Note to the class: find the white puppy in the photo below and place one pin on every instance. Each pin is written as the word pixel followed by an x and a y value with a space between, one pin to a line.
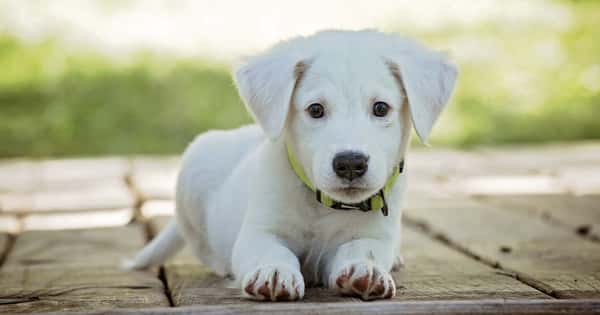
pixel 335 111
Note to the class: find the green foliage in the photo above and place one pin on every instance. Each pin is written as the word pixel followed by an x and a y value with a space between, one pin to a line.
pixel 521 83
pixel 55 104
pixel 532 83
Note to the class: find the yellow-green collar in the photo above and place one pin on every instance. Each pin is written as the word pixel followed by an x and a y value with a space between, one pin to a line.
pixel 375 202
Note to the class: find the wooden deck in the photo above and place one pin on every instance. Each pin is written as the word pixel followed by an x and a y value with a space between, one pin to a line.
pixel 508 230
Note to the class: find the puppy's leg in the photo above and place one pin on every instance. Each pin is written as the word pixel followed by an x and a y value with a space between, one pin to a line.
pixel 361 268
pixel 267 268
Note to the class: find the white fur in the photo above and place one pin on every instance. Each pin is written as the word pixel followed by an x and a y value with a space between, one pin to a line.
pixel 244 211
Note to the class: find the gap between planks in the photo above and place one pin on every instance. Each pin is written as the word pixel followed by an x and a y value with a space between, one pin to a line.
pixel 540 254
pixel 6 246
pixel 440 237
pixel 138 200
pixel 76 270
pixel 150 234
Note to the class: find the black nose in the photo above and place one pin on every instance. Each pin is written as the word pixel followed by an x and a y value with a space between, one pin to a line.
pixel 350 164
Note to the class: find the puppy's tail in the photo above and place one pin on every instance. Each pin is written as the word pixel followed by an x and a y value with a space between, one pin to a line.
pixel 163 246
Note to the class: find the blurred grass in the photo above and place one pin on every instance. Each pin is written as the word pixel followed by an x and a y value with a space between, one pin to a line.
pixel 524 84
pixel 52 103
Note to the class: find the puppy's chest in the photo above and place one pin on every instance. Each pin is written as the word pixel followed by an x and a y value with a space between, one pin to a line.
pixel 332 228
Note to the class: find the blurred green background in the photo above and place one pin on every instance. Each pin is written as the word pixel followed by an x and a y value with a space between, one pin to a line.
pixel 519 83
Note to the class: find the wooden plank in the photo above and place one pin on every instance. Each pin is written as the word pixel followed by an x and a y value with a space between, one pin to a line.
pixel 99 195
pixel 575 166
pixel 43 289
pixel 9 223
pixel 77 220
pixel 543 158
pixel 4 247
pixel 551 259
pixel 581 179
pixel 18 175
pixel 154 178
pixel 474 173
pixel 579 213
pixel 70 173
pixel 158 208
pixel 94 247
pixel 77 270
pixel 189 281
pixel 556 168
pixel 433 272
pixel 506 184
pixel 488 307
pixel 27 175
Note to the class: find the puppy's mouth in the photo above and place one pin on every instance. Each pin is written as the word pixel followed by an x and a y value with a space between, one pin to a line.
pixel 351 194
pixel 350 190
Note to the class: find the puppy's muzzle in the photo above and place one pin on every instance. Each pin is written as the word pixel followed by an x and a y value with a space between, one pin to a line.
pixel 350 164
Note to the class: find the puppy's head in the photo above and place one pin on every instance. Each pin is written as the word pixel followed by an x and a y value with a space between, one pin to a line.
pixel 345 103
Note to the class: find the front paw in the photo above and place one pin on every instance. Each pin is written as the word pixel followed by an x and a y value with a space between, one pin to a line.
pixel 363 279
pixel 273 283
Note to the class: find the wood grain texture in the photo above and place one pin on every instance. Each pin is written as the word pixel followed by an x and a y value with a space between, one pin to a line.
pixel 77 270
pixel 90 248
pixel 548 257
pixel 432 272
pixel 581 214
pixel 532 307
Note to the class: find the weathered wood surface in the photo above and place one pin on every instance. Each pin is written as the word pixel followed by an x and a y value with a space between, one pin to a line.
pixel 581 214
pixel 55 193
pixel 190 282
pixel 433 272
pixel 105 194
pixel 24 175
pixel 157 208
pixel 77 219
pixel 76 270
pixel 154 178
pixel 4 247
pixel 513 230
pixel 547 257
pixel 532 307
pixel 9 223
pixel 545 169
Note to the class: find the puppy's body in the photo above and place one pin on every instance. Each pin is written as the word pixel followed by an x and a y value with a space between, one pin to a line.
pixel 220 192
pixel 244 210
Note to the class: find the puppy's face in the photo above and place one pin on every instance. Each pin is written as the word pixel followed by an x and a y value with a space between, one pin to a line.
pixel 347 101
pixel 348 123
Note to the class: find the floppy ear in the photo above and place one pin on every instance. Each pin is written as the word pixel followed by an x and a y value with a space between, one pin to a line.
pixel 427 79
pixel 266 84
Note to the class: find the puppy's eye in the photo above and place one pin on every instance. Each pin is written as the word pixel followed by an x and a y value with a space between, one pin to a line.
pixel 381 109
pixel 316 110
